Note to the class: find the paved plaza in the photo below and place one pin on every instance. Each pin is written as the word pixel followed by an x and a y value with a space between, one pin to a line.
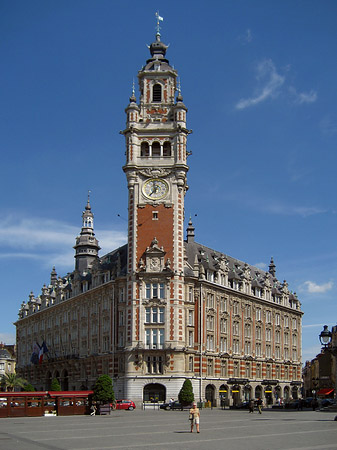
pixel 291 430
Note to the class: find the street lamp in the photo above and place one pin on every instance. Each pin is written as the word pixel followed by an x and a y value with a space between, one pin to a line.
pixel 325 338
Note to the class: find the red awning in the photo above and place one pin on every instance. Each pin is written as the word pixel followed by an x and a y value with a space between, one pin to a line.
pixel 325 391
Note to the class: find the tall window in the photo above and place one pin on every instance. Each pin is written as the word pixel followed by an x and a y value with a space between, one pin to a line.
pixel 210 322
pixel 258 350
pixel 167 149
pixel 154 338
pixel 190 339
pixel 190 363
pixel 258 370
pixel 247 330
pixel 144 149
pixel 258 313
pixel 247 370
pixel 210 367
pixel 223 325
pixel 155 290
pixel 247 348
pixel 154 364
pixel 156 149
pixel 154 315
pixel 236 344
pixel 258 333
pixel 236 369
pixel 190 317
pixel 223 345
pixel 223 368
pixel 210 342
pixel 156 93
pixel 210 300
pixel 223 304
pixel 235 328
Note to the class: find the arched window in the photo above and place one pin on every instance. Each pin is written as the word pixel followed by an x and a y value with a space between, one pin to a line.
pixel 167 149
pixel 156 149
pixel 144 149
pixel 156 93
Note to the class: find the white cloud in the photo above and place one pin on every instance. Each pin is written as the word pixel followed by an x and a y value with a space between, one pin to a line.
pixel 303 97
pixel 49 241
pixel 271 81
pixel 313 288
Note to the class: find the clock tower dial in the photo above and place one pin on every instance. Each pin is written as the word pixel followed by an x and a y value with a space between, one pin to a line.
pixel 155 189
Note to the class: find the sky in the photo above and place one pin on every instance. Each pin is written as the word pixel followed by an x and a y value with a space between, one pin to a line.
pixel 259 80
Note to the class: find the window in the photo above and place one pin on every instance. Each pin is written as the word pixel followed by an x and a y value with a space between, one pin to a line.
pixel 258 370
pixel 247 330
pixel 258 350
pixel 268 351
pixel 155 149
pixel 156 93
pixel 154 315
pixel 294 324
pixel 247 348
pixel 268 371
pixel 190 294
pixel 258 333
pixel 223 345
pixel 277 353
pixel 210 322
pixel 209 367
pixel 144 149
pixel 236 369
pixel 277 372
pixel 154 290
pixel 106 343
pixel 223 304
pixel 154 215
pixel 210 342
pixel 121 318
pixel 286 338
pixel 236 308
pixel 268 334
pixel 268 316
pixel 121 339
pixel 286 321
pixel 190 339
pixel 190 364
pixel 248 310
pixel 236 345
pixel 294 354
pixel 223 325
pixel 210 300
pixel 167 149
pixel 154 364
pixel 258 313
pixel 277 319
pixel 235 328
pixel 154 338
pixel 277 337
pixel 121 295
pixel 190 317
pixel 247 371
pixel 223 368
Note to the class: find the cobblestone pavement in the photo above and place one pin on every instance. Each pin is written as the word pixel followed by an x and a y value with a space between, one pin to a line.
pixel 230 430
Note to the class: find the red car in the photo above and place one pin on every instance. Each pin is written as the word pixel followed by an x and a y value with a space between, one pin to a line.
pixel 125 404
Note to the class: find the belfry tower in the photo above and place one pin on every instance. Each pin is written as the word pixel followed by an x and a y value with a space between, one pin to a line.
pixel 156 168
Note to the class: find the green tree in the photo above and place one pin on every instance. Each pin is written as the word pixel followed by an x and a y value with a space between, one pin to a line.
pixel 10 381
pixel 28 387
pixel 103 390
pixel 186 395
pixel 55 385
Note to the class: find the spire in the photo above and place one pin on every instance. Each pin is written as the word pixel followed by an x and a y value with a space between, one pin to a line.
pixel 53 277
pixel 133 96
pixel 272 267
pixel 190 231
pixel 179 96
pixel 158 48
pixel 86 246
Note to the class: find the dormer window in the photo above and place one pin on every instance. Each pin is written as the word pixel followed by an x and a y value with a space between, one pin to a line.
pixel 156 93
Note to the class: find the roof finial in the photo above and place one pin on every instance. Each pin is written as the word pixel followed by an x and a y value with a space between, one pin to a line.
pixel 159 19
pixel 133 96
pixel 88 202
pixel 179 96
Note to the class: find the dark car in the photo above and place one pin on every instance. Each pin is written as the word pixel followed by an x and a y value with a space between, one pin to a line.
pixel 326 402
pixel 174 406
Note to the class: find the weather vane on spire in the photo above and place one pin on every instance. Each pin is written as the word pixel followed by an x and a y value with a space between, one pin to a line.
pixel 159 19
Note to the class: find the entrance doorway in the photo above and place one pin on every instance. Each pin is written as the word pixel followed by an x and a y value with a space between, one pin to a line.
pixel 210 394
pixel 154 392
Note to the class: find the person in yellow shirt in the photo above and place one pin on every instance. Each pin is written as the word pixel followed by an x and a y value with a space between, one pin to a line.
pixel 194 417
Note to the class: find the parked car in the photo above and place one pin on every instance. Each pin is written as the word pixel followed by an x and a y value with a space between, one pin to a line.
pixel 125 404
pixel 326 402
pixel 174 405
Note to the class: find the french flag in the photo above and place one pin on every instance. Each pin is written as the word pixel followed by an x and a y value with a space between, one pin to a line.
pixel 43 350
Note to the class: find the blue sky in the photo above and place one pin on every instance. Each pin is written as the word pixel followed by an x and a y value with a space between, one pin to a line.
pixel 259 79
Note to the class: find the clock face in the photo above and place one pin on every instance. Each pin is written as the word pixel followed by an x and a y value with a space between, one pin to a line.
pixel 155 188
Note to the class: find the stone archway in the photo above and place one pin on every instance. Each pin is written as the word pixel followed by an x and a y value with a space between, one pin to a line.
pixel 223 395
pixel 154 392
pixel 65 381
pixel 210 394
pixel 247 390
pixel 236 395
pixel 286 394
pixel 294 392
pixel 278 394
pixel 268 393
pixel 258 392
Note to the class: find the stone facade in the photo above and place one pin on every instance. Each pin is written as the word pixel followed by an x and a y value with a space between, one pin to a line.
pixel 161 308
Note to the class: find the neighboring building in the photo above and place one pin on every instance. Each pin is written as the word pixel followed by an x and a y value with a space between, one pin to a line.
pixel 319 374
pixel 7 359
pixel 161 309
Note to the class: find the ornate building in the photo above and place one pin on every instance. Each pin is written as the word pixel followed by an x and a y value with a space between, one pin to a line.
pixel 161 309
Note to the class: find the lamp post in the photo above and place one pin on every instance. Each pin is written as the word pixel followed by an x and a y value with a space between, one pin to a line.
pixel 325 338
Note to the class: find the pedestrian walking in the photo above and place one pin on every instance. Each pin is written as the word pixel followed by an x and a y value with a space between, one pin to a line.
pixel 259 405
pixel 93 410
pixel 194 417
pixel 251 405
